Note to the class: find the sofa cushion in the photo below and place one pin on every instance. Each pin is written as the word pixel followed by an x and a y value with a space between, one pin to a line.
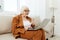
pixel 48 27
pixel 9 36
pixel 5 24
pixel 36 20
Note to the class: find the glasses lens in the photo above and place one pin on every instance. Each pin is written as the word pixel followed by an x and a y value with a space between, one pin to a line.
pixel 26 10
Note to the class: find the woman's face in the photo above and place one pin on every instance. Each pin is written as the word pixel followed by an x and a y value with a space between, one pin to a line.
pixel 26 11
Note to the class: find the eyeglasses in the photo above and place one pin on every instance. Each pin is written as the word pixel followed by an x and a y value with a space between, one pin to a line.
pixel 26 10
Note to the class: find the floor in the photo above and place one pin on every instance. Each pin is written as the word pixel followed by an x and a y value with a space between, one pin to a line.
pixel 55 38
pixel 9 36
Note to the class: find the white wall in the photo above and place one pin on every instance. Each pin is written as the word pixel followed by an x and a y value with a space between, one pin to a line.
pixel 57 18
pixel 37 7
pixel 56 13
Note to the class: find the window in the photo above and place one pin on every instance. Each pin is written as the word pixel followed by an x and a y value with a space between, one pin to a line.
pixel 10 5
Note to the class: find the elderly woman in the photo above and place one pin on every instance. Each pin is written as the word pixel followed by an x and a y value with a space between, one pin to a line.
pixel 20 25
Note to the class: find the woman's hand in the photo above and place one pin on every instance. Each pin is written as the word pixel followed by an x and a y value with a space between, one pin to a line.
pixel 32 25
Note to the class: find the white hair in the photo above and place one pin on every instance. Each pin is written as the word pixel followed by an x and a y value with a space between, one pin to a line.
pixel 23 8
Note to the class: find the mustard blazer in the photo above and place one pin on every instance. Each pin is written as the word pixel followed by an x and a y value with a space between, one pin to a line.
pixel 17 21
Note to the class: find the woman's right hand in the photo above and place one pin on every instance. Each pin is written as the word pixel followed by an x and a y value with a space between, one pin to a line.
pixel 32 25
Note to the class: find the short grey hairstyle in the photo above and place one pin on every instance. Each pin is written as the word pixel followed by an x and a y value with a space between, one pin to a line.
pixel 24 8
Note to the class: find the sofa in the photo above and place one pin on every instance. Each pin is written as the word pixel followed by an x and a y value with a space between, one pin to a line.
pixel 5 28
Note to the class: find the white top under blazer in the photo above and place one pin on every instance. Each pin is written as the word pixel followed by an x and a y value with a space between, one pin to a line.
pixel 27 24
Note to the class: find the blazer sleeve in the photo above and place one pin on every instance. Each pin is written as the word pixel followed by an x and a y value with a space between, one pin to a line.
pixel 14 24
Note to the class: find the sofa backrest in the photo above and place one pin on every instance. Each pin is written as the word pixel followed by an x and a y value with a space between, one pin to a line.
pixel 5 24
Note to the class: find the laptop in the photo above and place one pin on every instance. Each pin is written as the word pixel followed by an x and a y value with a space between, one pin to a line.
pixel 42 24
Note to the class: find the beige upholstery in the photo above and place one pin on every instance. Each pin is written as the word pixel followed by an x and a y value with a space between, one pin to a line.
pixel 49 29
pixel 9 36
pixel 5 24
